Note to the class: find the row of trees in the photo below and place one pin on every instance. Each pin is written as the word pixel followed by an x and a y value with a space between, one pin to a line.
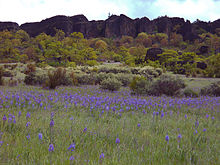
pixel 62 50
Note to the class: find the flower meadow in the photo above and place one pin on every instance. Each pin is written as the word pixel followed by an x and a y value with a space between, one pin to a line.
pixel 87 125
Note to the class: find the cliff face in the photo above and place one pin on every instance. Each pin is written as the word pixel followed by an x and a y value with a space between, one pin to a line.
pixel 114 26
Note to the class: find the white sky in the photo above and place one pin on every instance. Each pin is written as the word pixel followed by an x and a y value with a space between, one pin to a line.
pixel 22 11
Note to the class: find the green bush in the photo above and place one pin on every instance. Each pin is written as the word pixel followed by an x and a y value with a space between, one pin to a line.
pixel 168 85
pixel 190 93
pixel 140 85
pixel 91 62
pixel 111 84
pixel 211 90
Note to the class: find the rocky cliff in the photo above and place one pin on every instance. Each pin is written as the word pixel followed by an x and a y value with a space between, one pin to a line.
pixel 115 26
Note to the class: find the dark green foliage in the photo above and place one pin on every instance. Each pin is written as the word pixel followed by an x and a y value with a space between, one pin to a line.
pixel 190 93
pixel 167 85
pixel 56 78
pixel 1 75
pixel 111 84
pixel 211 90
pixel 140 85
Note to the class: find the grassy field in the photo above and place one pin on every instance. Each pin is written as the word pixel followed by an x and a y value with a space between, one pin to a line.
pixel 86 125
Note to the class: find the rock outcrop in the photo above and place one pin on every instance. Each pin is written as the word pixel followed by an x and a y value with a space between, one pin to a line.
pixel 9 26
pixel 115 26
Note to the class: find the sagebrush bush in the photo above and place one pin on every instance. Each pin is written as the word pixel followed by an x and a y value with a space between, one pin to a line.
pixel 111 84
pixel 211 90
pixel 140 85
pixel 74 79
pixel 125 79
pixel 56 78
pixel 190 93
pixel 168 85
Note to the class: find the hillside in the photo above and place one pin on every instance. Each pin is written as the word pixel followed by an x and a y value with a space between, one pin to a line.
pixel 170 43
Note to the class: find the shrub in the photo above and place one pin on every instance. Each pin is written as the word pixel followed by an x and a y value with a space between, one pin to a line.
pixel 12 82
pixel 111 84
pixel 71 64
pixel 74 79
pixel 125 79
pixel 190 93
pixel 7 73
pixel 140 85
pixel 168 85
pixel 211 90
pixel 30 68
pixel 55 78
pixel 91 62
pixel 30 79
pixel 1 75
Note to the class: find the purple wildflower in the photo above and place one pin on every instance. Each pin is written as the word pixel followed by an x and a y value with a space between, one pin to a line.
pixel 19 113
pixel 28 115
pixel 117 141
pixel 28 123
pixel 51 123
pixel 85 129
pixel 51 148
pixel 101 156
pixel 72 158
pixel 138 124
pixel 4 118
pixel 204 130
pixel 28 137
pixel 196 124
pixel 40 136
pixel 167 138
pixel 72 147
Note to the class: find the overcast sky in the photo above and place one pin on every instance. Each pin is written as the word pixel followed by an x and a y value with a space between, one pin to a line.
pixel 22 11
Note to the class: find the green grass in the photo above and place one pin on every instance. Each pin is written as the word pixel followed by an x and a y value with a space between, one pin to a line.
pixel 198 83
pixel 138 145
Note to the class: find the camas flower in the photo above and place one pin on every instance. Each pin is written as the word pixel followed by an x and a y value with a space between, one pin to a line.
pixel 40 136
pixel 72 158
pixel 51 123
pixel 4 118
pixel 72 147
pixel 117 141
pixel 101 156
pixel 51 148
pixel 167 138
